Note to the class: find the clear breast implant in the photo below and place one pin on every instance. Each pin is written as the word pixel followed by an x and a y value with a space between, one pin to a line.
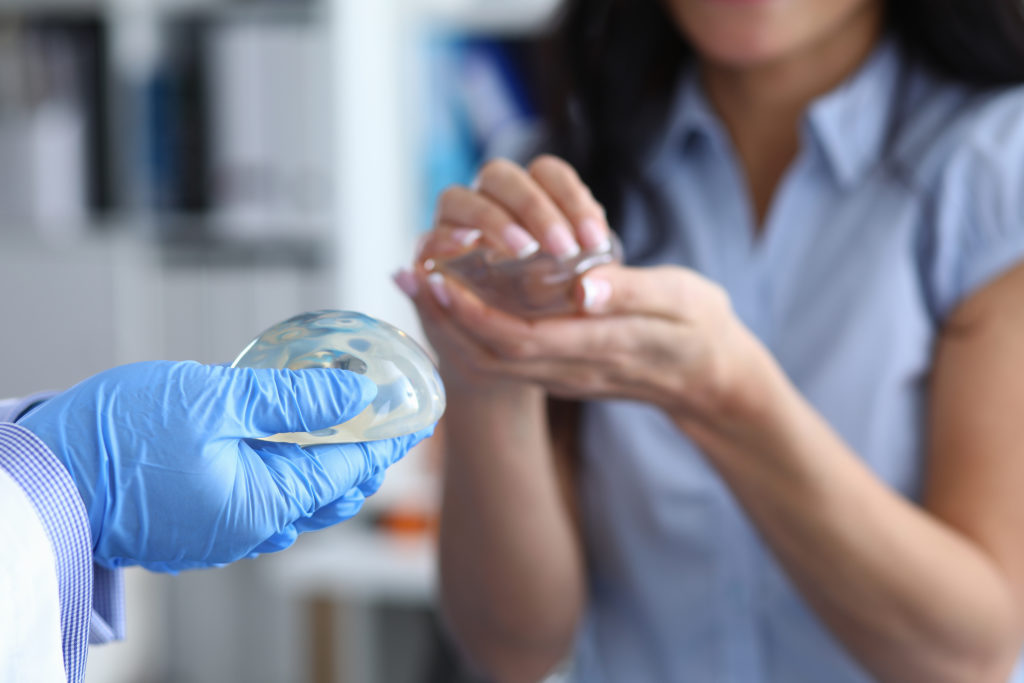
pixel 535 287
pixel 410 395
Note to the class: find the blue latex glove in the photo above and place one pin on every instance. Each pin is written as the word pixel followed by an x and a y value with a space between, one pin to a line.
pixel 164 456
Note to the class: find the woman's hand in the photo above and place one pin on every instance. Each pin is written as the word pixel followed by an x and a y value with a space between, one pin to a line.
pixel 516 211
pixel 664 335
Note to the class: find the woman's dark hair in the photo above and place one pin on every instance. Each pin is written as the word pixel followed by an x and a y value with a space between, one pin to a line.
pixel 609 67
pixel 979 41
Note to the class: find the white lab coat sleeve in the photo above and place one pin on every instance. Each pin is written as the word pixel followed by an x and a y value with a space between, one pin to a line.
pixel 30 632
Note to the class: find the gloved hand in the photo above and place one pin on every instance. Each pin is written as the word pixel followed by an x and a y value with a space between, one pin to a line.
pixel 164 457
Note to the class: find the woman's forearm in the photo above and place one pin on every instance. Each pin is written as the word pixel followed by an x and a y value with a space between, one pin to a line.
pixel 511 569
pixel 909 596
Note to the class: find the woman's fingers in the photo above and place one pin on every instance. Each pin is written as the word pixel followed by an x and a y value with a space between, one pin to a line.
pixel 574 200
pixel 598 357
pixel 510 186
pixel 518 211
pixel 666 292
pixel 671 294
pixel 475 319
pixel 509 338
pixel 433 302
pixel 461 210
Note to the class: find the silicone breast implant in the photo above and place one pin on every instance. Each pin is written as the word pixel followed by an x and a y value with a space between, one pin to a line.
pixel 535 287
pixel 410 395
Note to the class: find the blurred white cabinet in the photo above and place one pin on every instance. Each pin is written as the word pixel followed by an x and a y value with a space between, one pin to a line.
pixel 72 310
pixel 61 310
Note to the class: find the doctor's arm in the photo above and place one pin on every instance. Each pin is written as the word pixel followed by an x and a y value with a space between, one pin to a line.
pixel 159 464
pixel 168 462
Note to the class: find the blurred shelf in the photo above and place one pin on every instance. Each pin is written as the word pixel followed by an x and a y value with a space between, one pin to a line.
pixel 261 10
pixel 216 9
pixel 9 7
pixel 496 17
pixel 96 6
pixel 178 241
pixel 301 254
pixel 59 236
pixel 490 16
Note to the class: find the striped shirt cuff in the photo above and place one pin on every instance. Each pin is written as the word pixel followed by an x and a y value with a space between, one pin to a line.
pixel 13 408
pixel 56 500
pixel 89 610
pixel 107 621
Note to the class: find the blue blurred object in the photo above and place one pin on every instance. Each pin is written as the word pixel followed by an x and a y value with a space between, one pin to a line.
pixel 166 459
pixel 478 108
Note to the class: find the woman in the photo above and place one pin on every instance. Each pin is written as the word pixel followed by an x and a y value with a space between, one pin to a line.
pixel 798 455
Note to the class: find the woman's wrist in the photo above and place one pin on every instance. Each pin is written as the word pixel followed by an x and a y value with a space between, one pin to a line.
pixel 475 389
pixel 762 395
pixel 750 400
pixel 494 404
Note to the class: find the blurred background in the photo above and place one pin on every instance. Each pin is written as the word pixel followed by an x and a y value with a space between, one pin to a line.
pixel 178 175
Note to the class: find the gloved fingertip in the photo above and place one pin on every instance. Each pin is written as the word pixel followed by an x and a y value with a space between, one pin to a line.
pixel 333 513
pixel 279 541
pixel 268 401
pixel 422 435
pixel 387 452
pixel 371 485
pixel 367 387
pixel 350 391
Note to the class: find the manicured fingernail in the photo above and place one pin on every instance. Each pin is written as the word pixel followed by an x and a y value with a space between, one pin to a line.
pixel 519 241
pixel 560 241
pixel 596 294
pixel 430 264
pixel 440 289
pixel 466 236
pixel 406 282
pixel 593 237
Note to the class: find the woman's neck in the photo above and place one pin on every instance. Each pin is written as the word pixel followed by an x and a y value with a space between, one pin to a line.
pixel 762 105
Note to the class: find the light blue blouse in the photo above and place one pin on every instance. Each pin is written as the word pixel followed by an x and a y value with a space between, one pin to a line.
pixel 906 196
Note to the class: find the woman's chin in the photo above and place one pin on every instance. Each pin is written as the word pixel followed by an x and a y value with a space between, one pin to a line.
pixel 751 33
pixel 741 50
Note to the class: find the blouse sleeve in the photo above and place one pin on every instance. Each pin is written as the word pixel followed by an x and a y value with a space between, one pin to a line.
pixel 980 202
